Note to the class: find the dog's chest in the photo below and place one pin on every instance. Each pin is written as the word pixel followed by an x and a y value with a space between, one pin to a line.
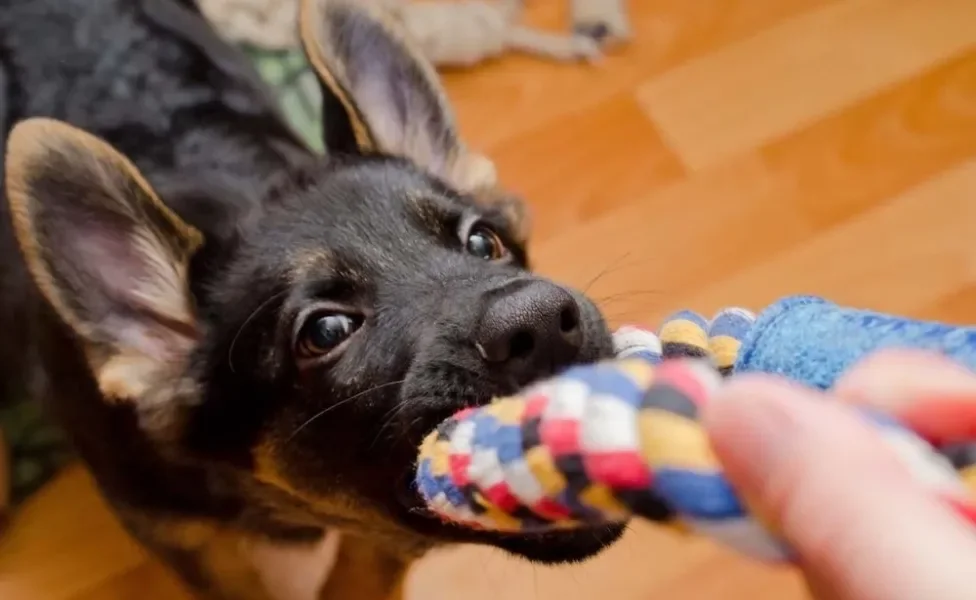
pixel 296 573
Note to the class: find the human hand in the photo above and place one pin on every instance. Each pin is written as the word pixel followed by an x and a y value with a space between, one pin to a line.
pixel 862 527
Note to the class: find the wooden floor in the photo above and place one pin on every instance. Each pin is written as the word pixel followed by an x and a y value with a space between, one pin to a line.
pixel 736 152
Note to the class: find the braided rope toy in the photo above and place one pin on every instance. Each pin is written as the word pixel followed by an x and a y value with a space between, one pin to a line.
pixel 620 439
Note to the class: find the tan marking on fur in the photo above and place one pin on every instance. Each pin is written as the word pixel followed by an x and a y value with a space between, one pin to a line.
pixel 126 376
pixel 174 532
pixel 188 534
pixel 472 172
pixel 304 261
pixel 266 468
pixel 517 214
pixel 267 471
pixel 311 22
pixel 515 211
pixel 423 207
pixel 31 145
pixel 350 513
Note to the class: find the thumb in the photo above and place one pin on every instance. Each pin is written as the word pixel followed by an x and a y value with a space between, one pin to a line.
pixel 828 483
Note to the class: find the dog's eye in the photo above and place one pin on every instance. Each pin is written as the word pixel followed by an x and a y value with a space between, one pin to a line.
pixel 484 243
pixel 324 332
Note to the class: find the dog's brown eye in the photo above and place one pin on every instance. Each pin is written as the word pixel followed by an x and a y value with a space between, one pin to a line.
pixel 324 332
pixel 484 243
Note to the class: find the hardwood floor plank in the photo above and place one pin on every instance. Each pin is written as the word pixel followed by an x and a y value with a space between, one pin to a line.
pixel 586 166
pixel 646 560
pixel 760 89
pixel 636 261
pixel 878 148
pixel 147 581
pixel 64 543
pixel 748 579
pixel 954 307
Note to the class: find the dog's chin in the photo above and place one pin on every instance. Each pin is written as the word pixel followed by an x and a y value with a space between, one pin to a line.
pixel 560 547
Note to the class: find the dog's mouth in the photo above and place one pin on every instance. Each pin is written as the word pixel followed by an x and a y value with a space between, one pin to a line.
pixel 550 547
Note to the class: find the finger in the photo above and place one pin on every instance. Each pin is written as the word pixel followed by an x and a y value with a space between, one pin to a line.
pixel 841 498
pixel 890 379
pixel 932 394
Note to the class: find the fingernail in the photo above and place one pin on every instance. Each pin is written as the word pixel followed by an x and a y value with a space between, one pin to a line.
pixel 943 419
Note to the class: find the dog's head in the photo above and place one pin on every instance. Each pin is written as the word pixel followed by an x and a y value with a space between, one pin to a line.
pixel 371 295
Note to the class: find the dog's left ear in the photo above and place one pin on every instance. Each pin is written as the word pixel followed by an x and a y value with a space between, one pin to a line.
pixel 388 93
pixel 108 256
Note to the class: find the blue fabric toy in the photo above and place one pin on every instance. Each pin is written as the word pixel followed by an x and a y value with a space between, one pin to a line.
pixel 814 341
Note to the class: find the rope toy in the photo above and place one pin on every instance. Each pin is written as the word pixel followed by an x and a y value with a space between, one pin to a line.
pixel 620 439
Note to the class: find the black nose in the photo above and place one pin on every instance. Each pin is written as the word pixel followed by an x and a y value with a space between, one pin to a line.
pixel 532 329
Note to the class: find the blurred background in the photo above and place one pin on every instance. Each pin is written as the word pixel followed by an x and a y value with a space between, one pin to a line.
pixel 730 152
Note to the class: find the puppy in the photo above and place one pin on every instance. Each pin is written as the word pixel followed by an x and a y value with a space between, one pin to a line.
pixel 245 341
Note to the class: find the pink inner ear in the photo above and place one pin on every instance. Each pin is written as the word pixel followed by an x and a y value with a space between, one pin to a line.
pixel 106 253
pixel 116 274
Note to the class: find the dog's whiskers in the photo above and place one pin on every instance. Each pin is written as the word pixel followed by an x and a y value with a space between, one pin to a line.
pixel 627 294
pixel 388 419
pixel 340 403
pixel 247 321
pixel 607 269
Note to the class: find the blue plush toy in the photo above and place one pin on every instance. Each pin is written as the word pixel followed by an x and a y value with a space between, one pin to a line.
pixel 814 341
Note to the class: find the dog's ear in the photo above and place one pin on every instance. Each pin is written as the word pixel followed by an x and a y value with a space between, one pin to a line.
pixel 390 95
pixel 106 253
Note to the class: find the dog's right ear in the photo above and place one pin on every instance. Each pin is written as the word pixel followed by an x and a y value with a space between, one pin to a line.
pixel 381 95
pixel 108 256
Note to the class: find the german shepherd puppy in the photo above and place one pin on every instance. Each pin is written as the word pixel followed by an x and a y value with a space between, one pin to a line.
pixel 246 341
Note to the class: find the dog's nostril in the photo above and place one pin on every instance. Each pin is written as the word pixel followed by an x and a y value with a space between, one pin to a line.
pixel 532 329
pixel 522 345
pixel 569 319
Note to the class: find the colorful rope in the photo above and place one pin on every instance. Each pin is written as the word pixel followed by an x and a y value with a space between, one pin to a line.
pixel 606 442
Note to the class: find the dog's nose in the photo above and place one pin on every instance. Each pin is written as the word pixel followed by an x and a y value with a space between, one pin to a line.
pixel 532 330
